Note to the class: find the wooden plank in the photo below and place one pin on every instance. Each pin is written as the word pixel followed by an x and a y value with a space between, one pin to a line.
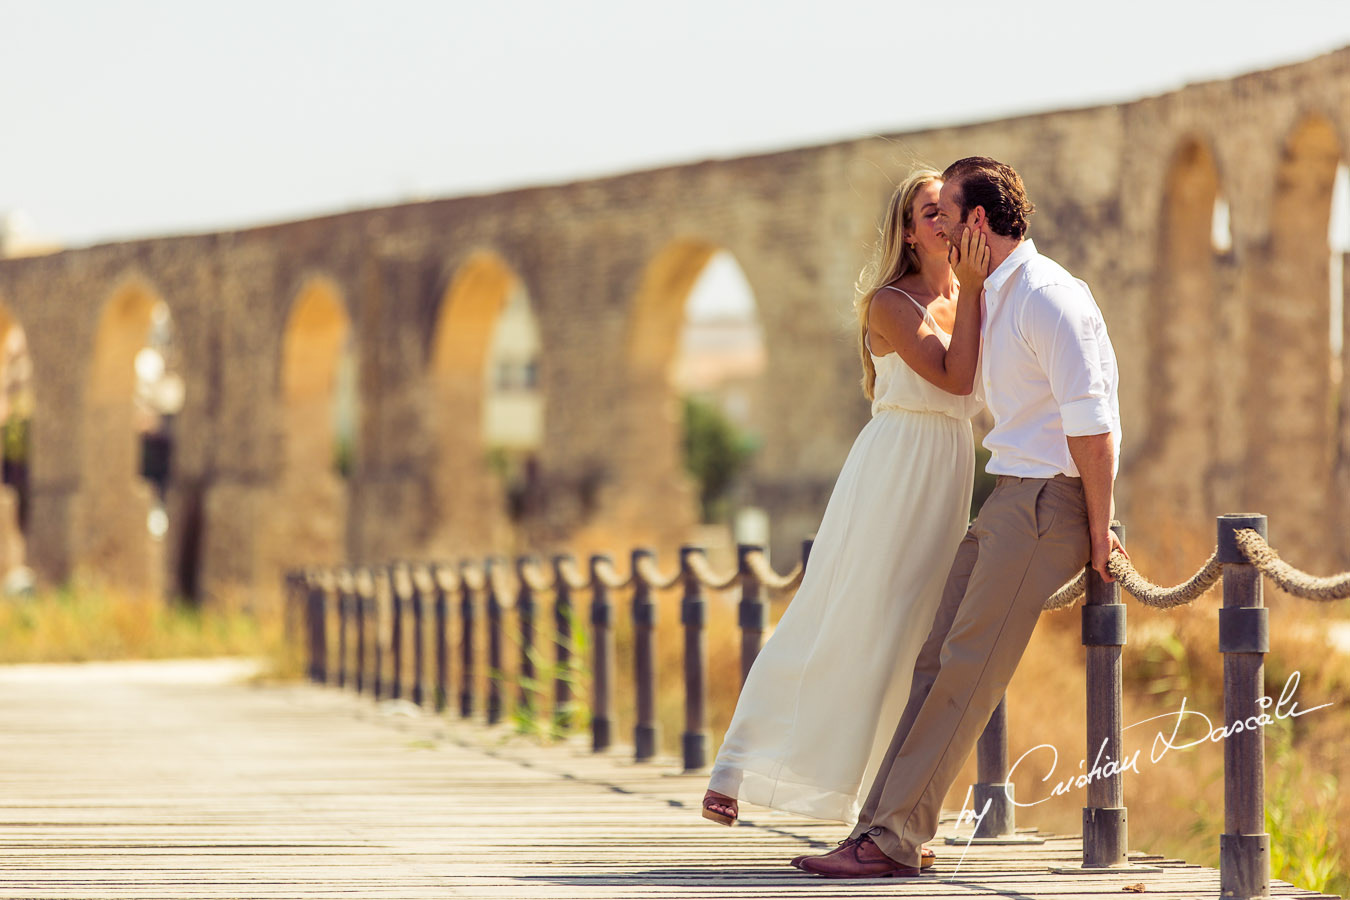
pixel 179 780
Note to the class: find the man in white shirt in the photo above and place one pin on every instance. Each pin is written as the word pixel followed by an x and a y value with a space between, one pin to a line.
pixel 1050 380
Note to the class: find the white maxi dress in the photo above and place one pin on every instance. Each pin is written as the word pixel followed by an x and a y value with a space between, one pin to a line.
pixel 822 700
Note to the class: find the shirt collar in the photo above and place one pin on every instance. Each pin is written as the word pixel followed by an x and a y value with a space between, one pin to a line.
pixel 995 280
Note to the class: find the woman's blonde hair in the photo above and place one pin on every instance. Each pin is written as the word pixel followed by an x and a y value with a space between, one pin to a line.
pixel 893 259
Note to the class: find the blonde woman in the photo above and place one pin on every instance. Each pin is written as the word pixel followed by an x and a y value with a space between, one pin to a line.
pixel 820 704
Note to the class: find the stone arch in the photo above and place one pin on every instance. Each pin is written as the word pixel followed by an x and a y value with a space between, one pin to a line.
pixel 470 487
pixel 311 503
pixel 653 496
pixel 1292 439
pixel 1182 304
pixel 113 536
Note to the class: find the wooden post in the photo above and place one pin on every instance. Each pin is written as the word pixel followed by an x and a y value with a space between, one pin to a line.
pixel 753 612
pixel 344 604
pixel 644 661
pixel 379 589
pixel 562 626
pixel 526 682
pixel 992 794
pixel 494 622
pixel 394 574
pixel 467 621
pixel 1105 832
pixel 318 633
pixel 364 604
pixel 992 786
pixel 602 650
pixel 1244 640
pixel 694 616
pixel 442 639
pixel 419 685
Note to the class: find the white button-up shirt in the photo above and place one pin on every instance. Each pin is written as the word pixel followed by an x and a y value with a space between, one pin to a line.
pixel 1047 366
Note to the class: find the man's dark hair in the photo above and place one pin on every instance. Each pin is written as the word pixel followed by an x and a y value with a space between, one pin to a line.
pixel 989 183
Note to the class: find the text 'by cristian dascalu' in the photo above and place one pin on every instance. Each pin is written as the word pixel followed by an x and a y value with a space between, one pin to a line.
pixel 1103 766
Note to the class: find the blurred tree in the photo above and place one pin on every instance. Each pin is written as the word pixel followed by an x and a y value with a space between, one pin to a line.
pixel 716 452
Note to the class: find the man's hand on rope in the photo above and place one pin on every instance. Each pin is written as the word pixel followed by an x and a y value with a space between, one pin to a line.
pixel 1102 548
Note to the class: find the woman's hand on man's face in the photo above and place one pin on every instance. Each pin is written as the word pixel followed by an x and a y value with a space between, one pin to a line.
pixel 970 258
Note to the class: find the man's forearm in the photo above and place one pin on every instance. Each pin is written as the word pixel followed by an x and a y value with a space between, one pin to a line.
pixel 1095 457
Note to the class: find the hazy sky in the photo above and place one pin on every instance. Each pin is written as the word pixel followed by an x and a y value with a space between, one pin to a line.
pixel 125 118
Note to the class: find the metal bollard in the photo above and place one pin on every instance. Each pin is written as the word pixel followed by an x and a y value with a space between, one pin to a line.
pixel 753 612
pixel 442 640
pixel 1244 640
pixel 998 827
pixel 467 620
pixel 379 588
pixel 694 616
pixel 562 627
pixel 526 682
pixel 644 661
pixel 364 604
pixel 1105 827
pixel 344 602
pixel 396 596
pixel 494 623
pixel 318 633
pixel 602 653
pixel 418 597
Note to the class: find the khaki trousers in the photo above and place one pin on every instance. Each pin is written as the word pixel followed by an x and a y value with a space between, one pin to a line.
pixel 1030 538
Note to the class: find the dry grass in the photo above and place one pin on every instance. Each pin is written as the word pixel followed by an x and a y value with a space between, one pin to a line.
pixel 80 623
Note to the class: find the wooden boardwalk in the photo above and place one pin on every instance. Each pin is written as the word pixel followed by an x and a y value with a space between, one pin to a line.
pixel 178 780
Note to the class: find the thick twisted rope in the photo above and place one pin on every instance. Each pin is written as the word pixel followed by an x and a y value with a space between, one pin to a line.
pixel 1150 594
pixel 535 577
pixel 1067 595
pixel 423 580
pixel 445 577
pixel 609 576
pixel 1141 588
pixel 571 574
pixel 652 575
pixel 703 571
pixel 771 579
pixel 1290 580
pixel 346 584
pixel 473 576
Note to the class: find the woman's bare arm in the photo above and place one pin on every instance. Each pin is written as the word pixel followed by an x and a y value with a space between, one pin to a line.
pixel 899 322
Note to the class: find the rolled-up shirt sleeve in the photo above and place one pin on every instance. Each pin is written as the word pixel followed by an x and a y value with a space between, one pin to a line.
pixel 1063 326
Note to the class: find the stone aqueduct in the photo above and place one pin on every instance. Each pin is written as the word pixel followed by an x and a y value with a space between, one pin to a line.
pixel 1229 391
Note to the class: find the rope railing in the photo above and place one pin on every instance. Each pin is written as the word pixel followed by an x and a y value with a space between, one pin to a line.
pixel 1068 595
pixel 1295 582
pixel 1150 594
pixel 770 579
pixel 353 620
pixel 647 568
pixel 603 572
pixel 703 570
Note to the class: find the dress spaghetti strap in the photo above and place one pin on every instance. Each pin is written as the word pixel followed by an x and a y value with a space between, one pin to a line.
pixel 923 310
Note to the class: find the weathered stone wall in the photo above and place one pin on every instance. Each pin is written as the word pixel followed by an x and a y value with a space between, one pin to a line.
pixel 1226 388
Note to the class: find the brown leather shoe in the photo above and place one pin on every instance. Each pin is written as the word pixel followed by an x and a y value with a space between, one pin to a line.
pixel 861 859
pixel 927 858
